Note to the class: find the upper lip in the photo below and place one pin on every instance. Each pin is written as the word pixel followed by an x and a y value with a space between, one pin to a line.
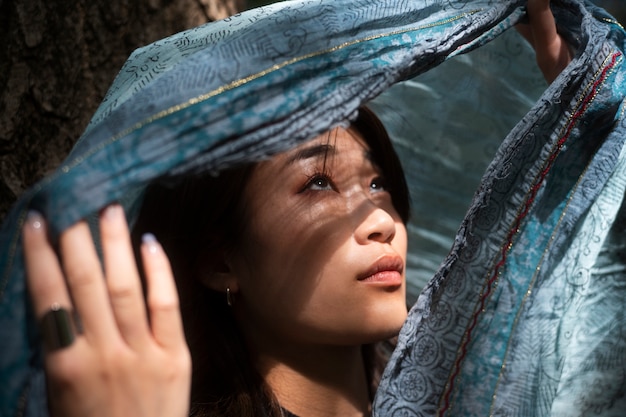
pixel 384 263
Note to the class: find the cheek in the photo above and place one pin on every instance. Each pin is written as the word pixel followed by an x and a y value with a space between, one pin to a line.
pixel 293 235
pixel 290 258
pixel 293 283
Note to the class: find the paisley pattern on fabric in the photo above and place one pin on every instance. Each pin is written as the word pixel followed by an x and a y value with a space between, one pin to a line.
pixel 524 316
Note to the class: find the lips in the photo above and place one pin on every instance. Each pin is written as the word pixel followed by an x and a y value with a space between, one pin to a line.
pixel 387 270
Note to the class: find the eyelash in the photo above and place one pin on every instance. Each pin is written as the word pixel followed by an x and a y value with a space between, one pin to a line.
pixel 317 176
pixel 377 184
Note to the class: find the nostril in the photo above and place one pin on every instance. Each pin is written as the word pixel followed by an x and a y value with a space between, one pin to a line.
pixel 382 237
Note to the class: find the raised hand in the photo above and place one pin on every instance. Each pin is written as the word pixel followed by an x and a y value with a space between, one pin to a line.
pixel 553 53
pixel 127 360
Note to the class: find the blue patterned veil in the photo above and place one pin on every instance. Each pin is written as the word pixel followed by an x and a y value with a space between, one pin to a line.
pixel 519 228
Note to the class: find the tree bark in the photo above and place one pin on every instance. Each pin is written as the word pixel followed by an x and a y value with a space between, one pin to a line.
pixel 57 60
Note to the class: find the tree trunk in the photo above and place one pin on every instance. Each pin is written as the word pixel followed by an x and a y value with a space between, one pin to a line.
pixel 57 60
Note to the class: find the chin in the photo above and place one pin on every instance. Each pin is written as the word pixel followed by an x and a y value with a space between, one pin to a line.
pixel 386 326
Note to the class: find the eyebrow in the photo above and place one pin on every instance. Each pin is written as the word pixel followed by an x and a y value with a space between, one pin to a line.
pixel 314 151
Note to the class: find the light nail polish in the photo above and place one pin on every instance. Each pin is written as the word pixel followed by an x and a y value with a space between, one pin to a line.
pixel 112 211
pixel 150 241
pixel 34 219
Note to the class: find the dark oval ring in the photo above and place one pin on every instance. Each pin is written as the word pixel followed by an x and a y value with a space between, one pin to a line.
pixel 56 328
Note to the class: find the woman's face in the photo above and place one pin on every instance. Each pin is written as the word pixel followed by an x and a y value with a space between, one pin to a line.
pixel 322 256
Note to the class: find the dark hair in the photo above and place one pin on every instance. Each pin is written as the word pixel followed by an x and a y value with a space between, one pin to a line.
pixel 197 219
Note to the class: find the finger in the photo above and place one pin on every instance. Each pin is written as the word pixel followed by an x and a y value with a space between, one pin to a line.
pixel 46 285
pixel 123 280
pixel 86 284
pixel 165 319
pixel 44 276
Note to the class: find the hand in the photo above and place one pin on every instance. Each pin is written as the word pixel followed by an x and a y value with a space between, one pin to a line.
pixel 553 53
pixel 128 360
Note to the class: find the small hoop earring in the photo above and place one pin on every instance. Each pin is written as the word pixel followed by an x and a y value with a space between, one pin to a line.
pixel 229 298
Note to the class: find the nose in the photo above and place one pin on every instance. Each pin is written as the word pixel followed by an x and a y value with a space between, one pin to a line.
pixel 378 225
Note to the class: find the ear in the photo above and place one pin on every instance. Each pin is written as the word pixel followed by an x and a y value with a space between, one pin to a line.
pixel 215 272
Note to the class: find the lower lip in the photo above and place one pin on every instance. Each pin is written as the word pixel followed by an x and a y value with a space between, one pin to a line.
pixel 386 278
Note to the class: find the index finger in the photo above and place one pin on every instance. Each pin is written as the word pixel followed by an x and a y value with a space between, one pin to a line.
pixel 44 277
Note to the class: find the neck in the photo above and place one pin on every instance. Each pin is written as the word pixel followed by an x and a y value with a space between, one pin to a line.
pixel 318 381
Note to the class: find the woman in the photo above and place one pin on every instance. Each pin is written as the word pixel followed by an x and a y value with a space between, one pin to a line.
pixel 282 287
pixel 303 253
pixel 116 366
pixel 311 260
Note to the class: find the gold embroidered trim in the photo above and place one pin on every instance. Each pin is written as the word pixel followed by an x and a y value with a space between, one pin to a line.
pixel 612 21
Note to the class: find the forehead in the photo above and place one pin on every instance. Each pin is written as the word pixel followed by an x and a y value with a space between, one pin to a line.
pixel 339 151
pixel 332 150
pixel 326 146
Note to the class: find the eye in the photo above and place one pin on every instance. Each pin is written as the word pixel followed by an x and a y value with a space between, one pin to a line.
pixel 378 184
pixel 319 182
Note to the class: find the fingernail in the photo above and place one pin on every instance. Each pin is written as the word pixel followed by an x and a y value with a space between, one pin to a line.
pixel 114 211
pixel 150 241
pixel 35 220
